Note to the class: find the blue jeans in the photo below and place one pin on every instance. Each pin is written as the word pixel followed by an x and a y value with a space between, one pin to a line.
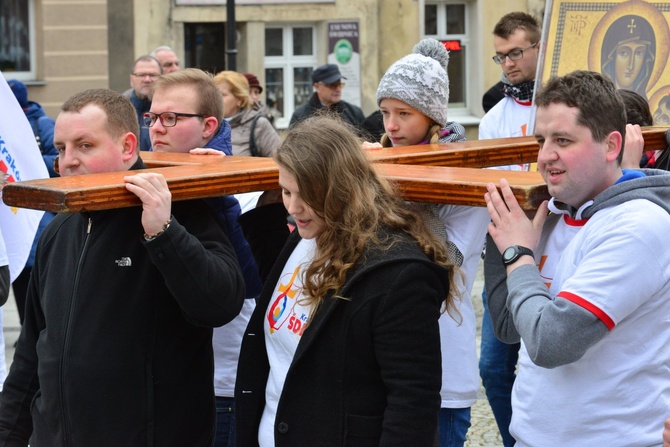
pixel 453 425
pixel 497 364
pixel 225 422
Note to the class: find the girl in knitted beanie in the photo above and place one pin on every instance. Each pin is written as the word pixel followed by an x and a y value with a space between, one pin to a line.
pixel 413 97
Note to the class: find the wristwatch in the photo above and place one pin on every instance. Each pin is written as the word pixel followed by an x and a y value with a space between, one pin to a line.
pixel 513 253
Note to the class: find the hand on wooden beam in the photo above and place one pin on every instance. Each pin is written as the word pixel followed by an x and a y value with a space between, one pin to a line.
pixel 509 224
pixel 152 189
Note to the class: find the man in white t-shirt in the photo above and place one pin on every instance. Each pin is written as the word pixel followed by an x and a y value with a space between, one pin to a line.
pixel 516 38
pixel 594 326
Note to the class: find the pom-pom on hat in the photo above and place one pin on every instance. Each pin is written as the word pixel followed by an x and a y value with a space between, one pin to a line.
pixel 420 80
pixel 20 91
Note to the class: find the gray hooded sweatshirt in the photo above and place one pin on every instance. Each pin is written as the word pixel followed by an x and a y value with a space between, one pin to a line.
pixel 546 325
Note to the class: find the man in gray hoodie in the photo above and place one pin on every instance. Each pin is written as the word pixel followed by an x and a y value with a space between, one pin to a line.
pixel 586 289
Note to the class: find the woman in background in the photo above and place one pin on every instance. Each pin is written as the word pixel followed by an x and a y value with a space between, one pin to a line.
pixel 243 117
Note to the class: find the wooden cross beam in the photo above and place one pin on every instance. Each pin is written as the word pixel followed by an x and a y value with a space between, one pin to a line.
pixel 431 177
pixel 471 154
pixel 462 186
pixel 91 192
pixel 487 153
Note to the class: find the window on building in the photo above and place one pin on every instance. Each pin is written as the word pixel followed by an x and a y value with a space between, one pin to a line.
pixel 447 22
pixel 205 46
pixel 290 56
pixel 17 44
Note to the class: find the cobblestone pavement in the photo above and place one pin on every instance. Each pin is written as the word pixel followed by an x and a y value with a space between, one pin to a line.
pixel 482 433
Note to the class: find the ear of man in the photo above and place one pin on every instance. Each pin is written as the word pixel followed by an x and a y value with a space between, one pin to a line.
pixel 129 143
pixel 614 143
pixel 211 125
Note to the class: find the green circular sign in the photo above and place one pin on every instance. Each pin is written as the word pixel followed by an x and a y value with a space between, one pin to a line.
pixel 343 51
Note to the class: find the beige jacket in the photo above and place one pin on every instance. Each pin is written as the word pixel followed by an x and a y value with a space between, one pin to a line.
pixel 266 136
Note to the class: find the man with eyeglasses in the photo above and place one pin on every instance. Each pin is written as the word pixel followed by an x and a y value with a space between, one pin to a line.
pixel 146 71
pixel 516 39
pixel 187 113
pixel 327 96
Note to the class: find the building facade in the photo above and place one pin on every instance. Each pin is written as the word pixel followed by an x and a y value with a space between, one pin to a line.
pixel 66 46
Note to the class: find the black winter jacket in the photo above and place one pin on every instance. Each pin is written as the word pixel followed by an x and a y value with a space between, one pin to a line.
pixel 367 371
pixel 348 112
pixel 116 349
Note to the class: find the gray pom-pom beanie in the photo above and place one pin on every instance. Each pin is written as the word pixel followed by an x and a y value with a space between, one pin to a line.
pixel 420 79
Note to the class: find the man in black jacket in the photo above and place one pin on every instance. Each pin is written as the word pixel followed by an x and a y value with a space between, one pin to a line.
pixel 327 97
pixel 116 347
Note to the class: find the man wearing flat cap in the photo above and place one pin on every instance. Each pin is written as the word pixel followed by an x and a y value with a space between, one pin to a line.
pixel 328 85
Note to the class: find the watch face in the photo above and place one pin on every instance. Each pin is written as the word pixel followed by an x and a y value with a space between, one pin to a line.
pixel 513 253
pixel 508 255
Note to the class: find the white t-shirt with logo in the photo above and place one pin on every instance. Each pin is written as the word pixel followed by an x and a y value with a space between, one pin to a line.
pixel 285 320
pixel 618 393
pixel 508 118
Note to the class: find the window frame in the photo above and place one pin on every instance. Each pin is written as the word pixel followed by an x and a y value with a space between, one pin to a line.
pixel 31 74
pixel 464 111
pixel 289 63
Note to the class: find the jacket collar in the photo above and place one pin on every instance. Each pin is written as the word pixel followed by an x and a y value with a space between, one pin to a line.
pixel 221 141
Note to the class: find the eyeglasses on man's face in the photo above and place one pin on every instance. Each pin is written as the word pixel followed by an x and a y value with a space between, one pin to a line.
pixel 334 85
pixel 513 55
pixel 147 75
pixel 168 119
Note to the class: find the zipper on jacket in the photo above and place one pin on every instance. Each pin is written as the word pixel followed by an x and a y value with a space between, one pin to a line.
pixel 66 342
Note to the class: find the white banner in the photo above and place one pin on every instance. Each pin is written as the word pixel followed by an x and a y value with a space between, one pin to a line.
pixel 20 159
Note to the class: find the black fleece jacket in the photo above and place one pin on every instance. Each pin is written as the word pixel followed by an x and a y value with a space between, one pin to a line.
pixel 116 347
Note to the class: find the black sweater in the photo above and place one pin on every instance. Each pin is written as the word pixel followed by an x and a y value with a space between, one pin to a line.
pixel 116 347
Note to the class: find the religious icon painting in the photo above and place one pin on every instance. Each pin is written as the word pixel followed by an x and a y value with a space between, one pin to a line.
pixel 628 41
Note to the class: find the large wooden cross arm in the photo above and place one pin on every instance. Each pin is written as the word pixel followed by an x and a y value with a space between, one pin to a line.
pixel 447 173
pixel 487 153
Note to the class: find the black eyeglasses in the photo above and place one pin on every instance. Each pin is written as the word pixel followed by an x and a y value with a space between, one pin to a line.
pixel 513 55
pixel 168 119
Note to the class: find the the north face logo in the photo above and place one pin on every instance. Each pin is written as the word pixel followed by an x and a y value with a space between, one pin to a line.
pixel 124 262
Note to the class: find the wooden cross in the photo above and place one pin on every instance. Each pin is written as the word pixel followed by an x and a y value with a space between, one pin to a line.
pixel 438 173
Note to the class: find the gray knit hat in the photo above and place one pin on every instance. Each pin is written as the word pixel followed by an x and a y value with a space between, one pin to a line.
pixel 420 79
